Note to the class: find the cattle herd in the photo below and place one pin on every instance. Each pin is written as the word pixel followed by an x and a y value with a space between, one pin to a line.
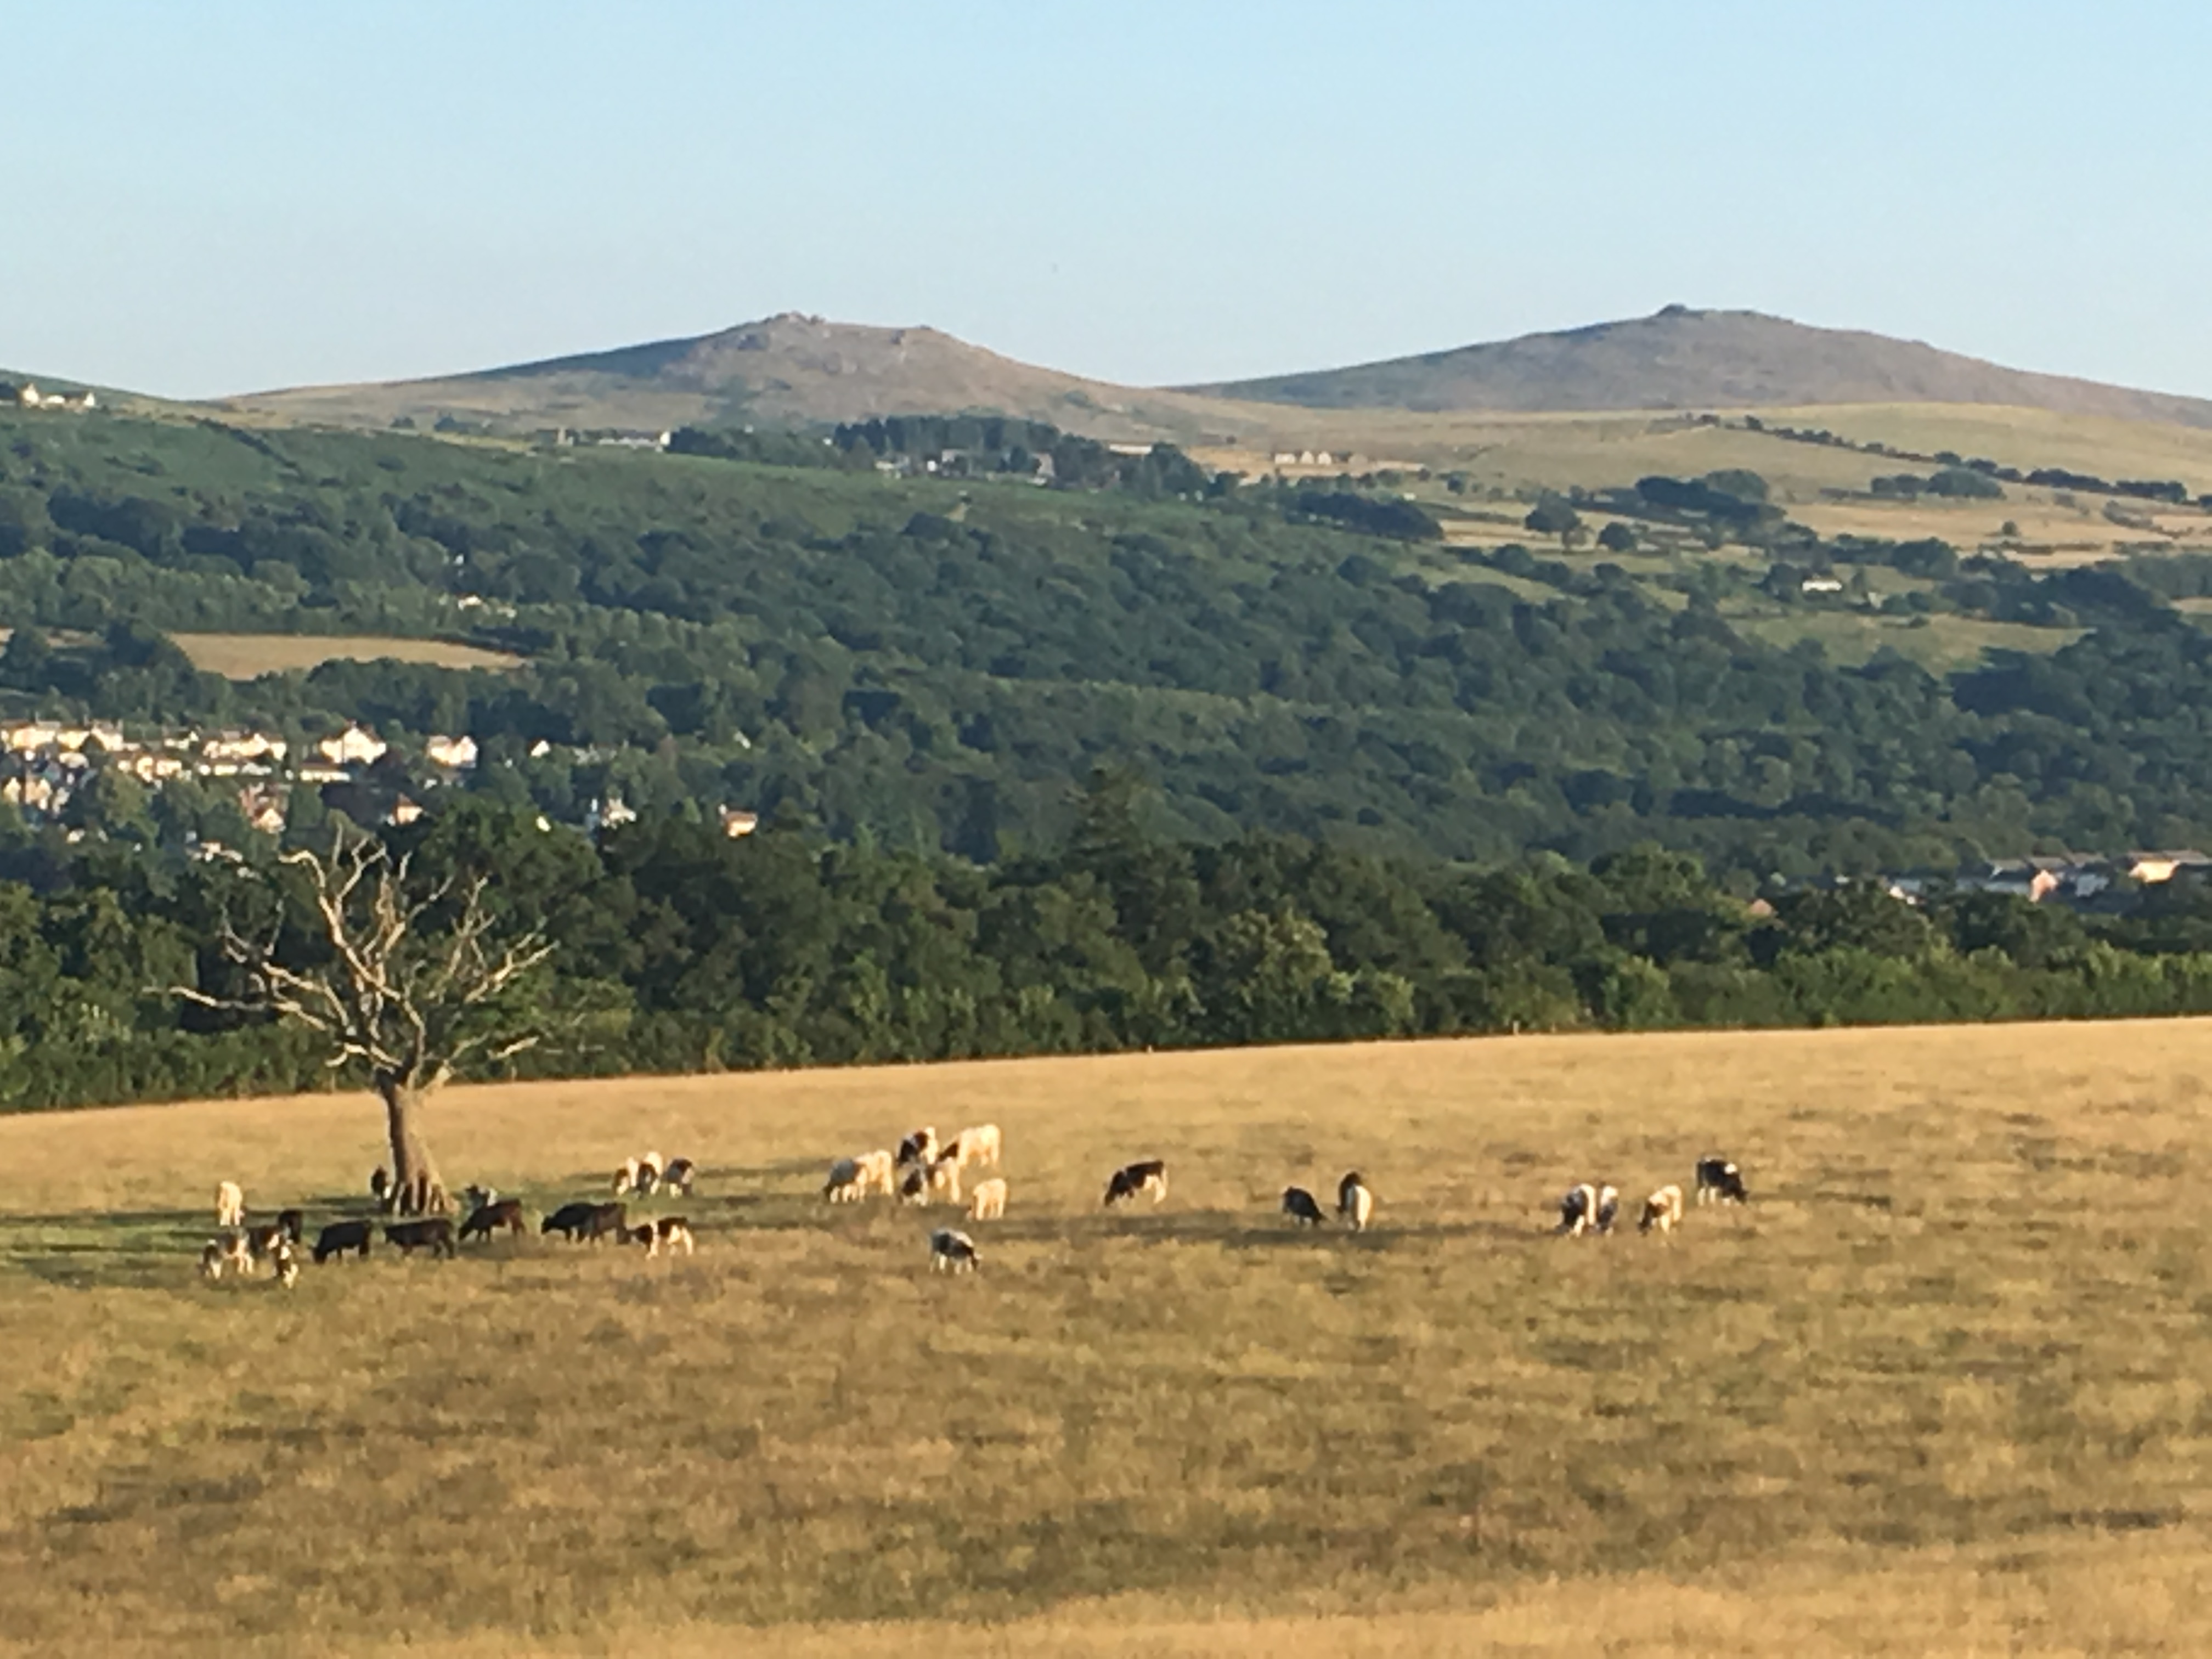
pixel 921 1171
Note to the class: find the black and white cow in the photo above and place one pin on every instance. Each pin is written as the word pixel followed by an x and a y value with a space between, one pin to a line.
pixel 1131 1179
pixel 1719 1182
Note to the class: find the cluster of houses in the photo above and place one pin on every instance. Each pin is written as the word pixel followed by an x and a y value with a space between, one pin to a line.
pixel 27 396
pixel 44 764
pixel 2077 881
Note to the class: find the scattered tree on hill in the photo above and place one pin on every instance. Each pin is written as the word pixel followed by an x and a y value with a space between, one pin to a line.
pixel 416 981
pixel 1618 537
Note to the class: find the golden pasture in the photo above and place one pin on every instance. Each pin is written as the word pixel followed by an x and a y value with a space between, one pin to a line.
pixel 243 656
pixel 1945 1385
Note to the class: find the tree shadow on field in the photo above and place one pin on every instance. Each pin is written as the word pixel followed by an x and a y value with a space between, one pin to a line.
pixel 1377 1239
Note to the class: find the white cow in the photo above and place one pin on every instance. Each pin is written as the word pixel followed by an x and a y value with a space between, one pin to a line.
pixel 625 1181
pixel 978 1145
pixel 230 1204
pixel 878 1172
pixel 1355 1203
pixel 951 1252
pixel 945 1179
pixel 1662 1211
pixel 988 1201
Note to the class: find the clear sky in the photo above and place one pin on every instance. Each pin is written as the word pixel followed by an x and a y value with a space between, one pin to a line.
pixel 223 197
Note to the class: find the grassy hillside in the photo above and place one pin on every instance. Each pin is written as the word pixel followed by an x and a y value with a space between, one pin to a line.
pixel 1940 1385
pixel 1685 359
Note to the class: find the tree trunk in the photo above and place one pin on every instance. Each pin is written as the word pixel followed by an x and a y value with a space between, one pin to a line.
pixel 416 1190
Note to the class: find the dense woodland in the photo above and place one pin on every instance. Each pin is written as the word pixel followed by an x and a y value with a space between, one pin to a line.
pixel 931 662
pixel 678 948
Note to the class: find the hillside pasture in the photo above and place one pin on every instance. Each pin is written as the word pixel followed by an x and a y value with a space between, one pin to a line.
pixel 1946 1384
pixel 246 656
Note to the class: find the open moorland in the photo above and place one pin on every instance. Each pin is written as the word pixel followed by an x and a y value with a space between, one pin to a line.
pixel 1942 1386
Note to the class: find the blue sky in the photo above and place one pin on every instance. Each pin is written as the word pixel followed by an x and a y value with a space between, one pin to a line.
pixel 223 197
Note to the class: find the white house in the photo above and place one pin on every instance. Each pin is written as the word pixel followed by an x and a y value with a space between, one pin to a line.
pixel 454 754
pixel 353 747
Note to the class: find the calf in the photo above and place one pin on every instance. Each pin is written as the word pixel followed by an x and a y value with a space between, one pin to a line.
pixel 648 1176
pixel 978 1145
pixel 913 1186
pixel 671 1233
pixel 487 1218
pixel 677 1177
pixel 569 1218
pixel 339 1237
pixel 945 1179
pixel 1719 1182
pixel 1662 1211
pixel 625 1179
pixel 1132 1179
pixel 261 1241
pixel 432 1233
pixel 237 1253
pixel 285 1263
pixel 953 1252
pixel 988 1201
pixel 1354 1202
pixel 230 1204
pixel 211 1259
pixel 1300 1206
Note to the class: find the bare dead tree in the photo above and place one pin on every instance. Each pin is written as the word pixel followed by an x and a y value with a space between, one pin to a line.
pixel 420 984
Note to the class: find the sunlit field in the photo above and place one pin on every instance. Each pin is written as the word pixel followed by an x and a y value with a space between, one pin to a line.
pixel 1942 1386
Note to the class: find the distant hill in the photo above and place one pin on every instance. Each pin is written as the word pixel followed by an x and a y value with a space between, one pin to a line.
pixel 1680 358
pixel 779 371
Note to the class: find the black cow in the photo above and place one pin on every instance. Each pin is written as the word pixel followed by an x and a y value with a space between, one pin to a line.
pixel 1149 1177
pixel 1301 1206
pixel 604 1220
pixel 432 1233
pixel 1720 1181
pixel 487 1218
pixel 569 1218
pixel 292 1222
pixel 339 1237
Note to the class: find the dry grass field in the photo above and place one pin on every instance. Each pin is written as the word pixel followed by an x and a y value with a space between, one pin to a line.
pixel 243 656
pixel 1945 1386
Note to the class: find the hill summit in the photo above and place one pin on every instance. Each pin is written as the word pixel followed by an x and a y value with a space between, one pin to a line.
pixel 1681 358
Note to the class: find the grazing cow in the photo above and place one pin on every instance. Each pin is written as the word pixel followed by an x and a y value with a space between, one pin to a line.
pixel 843 1186
pixel 671 1233
pixel 919 1147
pixel 1662 1210
pixel 677 1177
pixel 978 1145
pixel 230 1204
pixel 913 1186
pixel 1354 1202
pixel 1301 1206
pixel 293 1222
pixel 487 1218
pixel 1131 1179
pixel 339 1237
pixel 286 1264
pixel 953 1252
pixel 211 1259
pixel 945 1179
pixel 625 1181
pixel 640 1235
pixel 988 1201
pixel 1719 1182
pixel 237 1252
pixel 878 1172
pixel 606 1219
pixel 1578 1210
pixel 1608 1207
pixel 432 1233
pixel 648 1176
pixel 261 1241
pixel 569 1218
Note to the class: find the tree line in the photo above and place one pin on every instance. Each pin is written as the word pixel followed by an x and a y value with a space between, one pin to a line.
pixel 672 947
